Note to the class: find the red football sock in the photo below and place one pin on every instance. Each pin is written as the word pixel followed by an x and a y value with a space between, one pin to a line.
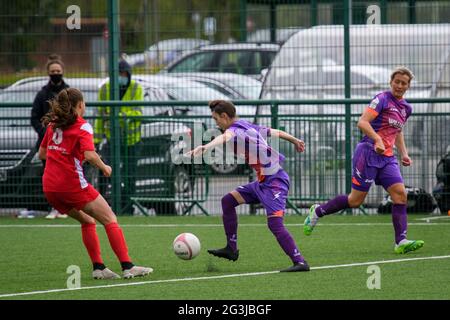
pixel 91 242
pixel 117 241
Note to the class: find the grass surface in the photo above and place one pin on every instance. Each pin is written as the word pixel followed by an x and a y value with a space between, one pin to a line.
pixel 36 254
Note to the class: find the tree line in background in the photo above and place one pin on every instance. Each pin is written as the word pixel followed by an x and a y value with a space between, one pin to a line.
pixel 25 24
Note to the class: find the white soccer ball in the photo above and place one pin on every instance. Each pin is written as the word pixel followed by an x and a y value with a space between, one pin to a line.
pixel 186 246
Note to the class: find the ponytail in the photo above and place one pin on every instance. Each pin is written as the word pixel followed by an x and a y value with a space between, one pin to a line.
pixel 63 109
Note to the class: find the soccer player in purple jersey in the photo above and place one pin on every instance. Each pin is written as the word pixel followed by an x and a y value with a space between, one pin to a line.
pixel 271 189
pixel 374 161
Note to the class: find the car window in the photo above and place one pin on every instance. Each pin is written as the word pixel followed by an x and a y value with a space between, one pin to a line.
pixel 332 78
pixel 266 59
pixel 234 61
pixel 219 88
pixel 156 94
pixel 200 62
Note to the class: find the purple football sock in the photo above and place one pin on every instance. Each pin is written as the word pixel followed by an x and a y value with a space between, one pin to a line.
pixel 230 220
pixel 285 240
pixel 400 221
pixel 334 205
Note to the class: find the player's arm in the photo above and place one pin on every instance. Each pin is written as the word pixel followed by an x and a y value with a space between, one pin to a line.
pixel 42 153
pixel 401 147
pixel 299 144
pixel 93 158
pixel 364 125
pixel 217 141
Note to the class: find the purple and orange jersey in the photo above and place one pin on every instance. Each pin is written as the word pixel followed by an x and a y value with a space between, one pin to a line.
pixel 391 115
pixel 249 141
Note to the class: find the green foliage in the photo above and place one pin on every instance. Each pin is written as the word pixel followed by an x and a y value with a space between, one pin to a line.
pixel 18 23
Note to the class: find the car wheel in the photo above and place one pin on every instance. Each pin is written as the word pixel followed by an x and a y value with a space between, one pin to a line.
pixel 224 168
pixel 183 187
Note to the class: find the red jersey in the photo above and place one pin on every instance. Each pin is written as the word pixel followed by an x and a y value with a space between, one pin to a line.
pixel 65 155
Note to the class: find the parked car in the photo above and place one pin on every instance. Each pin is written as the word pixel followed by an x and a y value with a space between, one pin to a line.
pixel 235 86
pixel 263 35
pixel 184 89
pixel 242 58
pixel 310 65
pixel 164 51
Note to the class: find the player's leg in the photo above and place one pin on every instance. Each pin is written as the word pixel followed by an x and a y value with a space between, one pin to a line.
pixel 273 193
pixel 101 211
pixel 353 200
pixel 229 217
pixel 363 176
pixel 230 223
pixel 400 219
pixel 65 203
pixel 92 244
pixel 286 242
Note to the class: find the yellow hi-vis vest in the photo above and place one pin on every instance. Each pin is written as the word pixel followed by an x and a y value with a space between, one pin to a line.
pixel 132 126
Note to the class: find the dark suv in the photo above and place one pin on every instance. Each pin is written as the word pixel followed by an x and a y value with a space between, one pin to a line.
pixel 242 58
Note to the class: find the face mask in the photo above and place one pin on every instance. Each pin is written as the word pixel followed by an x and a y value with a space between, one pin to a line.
pixel 56 78
pixel 123 81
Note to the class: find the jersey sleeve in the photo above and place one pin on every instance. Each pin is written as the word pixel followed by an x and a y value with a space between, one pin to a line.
pixel 86 138
pixel 264 131
pixel 408 112
pixel 376 105
pixel 44 142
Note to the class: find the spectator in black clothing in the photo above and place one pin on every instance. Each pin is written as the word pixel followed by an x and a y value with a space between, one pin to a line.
pixel 41 106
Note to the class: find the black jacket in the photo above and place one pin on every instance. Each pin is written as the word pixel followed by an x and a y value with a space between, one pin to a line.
pixel 41 106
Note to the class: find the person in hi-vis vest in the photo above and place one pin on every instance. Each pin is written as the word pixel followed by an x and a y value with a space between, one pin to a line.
pixel 130 131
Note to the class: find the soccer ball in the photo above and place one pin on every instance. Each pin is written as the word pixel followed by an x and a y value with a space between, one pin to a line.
pixel 186 246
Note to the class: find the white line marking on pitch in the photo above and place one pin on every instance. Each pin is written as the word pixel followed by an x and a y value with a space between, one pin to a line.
pixel 432 218
pixel 211 225
pixel 218 277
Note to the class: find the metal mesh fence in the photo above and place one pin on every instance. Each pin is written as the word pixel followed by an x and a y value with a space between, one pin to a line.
pixel 184 52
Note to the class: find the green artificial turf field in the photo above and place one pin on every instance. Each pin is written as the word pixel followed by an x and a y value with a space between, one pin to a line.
pixel 342 251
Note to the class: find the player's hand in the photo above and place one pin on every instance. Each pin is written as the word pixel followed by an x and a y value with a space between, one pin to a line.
pixel 379 147
pixel 299 145
pixel 196 152
pixel 107 170
pixel 406 161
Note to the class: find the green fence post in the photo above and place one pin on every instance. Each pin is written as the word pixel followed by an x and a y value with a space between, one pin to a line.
pixel 243 20
pixel 113 53
pixel 383 9
pixel 274 112
pixel 412 11
pixel 348 113
pixel 273 22
pixel 313 12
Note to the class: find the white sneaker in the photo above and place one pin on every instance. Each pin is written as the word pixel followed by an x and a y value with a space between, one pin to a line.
pixel 55 214
pixel 136 272
pixel 104 274
pixel 24 214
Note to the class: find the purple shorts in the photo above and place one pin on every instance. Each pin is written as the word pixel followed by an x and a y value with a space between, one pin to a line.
pixel 272 193
pixel 369 167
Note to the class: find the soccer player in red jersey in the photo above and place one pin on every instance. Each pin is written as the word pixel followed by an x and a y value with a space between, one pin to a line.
pixel 374 160
pixel 68 141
